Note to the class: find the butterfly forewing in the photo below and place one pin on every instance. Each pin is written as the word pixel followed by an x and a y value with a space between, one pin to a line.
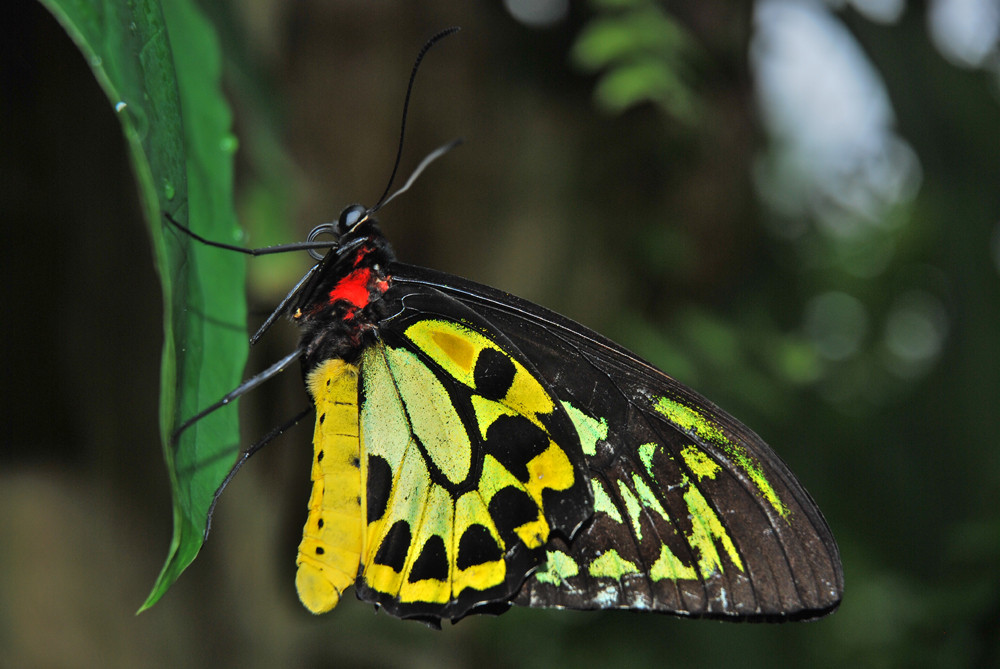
pixel 693 512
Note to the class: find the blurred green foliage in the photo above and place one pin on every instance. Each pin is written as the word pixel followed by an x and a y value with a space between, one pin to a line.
pixel 864 349
pixel 642 51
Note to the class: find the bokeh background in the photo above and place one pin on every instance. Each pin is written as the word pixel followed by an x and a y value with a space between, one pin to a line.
pixel 793 206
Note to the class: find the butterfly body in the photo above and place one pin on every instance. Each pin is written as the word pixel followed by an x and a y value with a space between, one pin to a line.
pixel 338 308
pixel 473 450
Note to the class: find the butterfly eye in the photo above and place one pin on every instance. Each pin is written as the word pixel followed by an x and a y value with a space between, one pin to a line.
pixel 350 217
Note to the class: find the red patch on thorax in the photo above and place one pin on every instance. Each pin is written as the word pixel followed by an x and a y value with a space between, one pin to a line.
pixel 353 288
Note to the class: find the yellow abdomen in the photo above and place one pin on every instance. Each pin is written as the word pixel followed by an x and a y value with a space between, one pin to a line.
pixel 330 551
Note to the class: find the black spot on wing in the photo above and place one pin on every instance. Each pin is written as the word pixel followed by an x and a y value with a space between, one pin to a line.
pixel 510 508
pixel 477 546
pixel 392 552
pixel 494 374
pixel 379 485
pixel 431 563
pixel 514 441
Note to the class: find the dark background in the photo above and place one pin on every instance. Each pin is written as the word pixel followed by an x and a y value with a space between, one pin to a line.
pixel 853 324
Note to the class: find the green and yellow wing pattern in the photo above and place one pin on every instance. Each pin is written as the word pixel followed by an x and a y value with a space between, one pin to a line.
pixel 693 513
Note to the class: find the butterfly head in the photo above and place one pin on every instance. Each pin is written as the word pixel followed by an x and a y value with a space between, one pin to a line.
pixel 350 218
pixel 354 223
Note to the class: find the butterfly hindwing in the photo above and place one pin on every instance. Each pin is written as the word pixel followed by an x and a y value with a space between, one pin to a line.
pixel 693 512
pixel 471 464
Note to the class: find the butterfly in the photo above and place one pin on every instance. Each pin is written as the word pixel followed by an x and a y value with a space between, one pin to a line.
pixel 473 450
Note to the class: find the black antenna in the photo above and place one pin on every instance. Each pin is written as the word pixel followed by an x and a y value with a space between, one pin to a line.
pixel 406 105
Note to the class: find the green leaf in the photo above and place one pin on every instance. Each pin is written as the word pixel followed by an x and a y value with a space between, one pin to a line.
pixel 160 67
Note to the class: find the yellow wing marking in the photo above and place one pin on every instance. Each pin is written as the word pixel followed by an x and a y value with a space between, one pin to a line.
pixel 471 510
pixel 457 348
